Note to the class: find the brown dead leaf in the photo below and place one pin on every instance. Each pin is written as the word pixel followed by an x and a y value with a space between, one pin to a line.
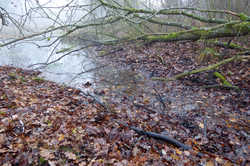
pixel 61 137
pixel 70 155
pixel 201 125
pixel 46 154
pixel 178 152
pixel 135 150
pixel 175 157
pixel 228 163
pixel 82 163
pixel 52 163
pixel 143 159
pixel 209 163
pixel 233 120
pixel 228 125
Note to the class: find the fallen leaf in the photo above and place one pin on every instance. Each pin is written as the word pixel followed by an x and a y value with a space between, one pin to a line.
pixel 52 163
pixel 201 125
pixel 61 137
pixel 175 157
pixel 70 155
pixel 135 150
pixel 46 154
pixel 209 163
pixel 233 120
pixel 178 152
pixel 143 158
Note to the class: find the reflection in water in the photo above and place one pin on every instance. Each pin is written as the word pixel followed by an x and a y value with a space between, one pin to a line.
pixel 119 81
pixel 62 71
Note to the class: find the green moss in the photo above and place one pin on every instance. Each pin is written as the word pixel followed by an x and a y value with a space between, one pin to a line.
pixel 22 79
pixel 229 25
pixel 4 97
pixel 242 16
pixel 74 131
pixel 42 161
pixel 217 74
pixel 206 54
pixel 236 46
pixel 66 149
pixel 174 35
pixel 222 78
pixel 64 86
pixel 227 83
pixel 232 45
pixel 243 26
pixel 200 33
pixel 174 11
pixel 12 76
pixel 38 79
pixel 101 53
pixel 164 37
pixel 181 32
pixel 2 113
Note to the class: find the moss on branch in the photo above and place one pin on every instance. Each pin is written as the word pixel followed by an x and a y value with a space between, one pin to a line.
pixel 201 70
pixel 222 78
pixel 225 30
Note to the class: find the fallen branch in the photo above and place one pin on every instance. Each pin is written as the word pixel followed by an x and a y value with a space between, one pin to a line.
pixel 200 70
pixel 111 52
pixel 225 50
pixel 164 138
pixel 221 85
pixel 231 45
pixel 138 105
pixel 222 78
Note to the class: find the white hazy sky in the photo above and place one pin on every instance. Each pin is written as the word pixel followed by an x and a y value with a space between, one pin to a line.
pixel 55 2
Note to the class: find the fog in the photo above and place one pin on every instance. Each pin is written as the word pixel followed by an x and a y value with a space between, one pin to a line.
pixel 34 51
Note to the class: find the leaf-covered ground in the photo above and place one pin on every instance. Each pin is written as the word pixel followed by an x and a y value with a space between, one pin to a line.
pixel 43 123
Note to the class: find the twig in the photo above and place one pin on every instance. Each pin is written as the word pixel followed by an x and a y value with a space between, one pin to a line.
pixel 138 105
pixel 13 119
pixel 205 126
pixel 160 98
pixel 112 52
pixel 225 50
pixel 99 102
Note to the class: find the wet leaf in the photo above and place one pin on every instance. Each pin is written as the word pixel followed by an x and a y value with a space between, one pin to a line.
pixel 46 154
pixel 70 155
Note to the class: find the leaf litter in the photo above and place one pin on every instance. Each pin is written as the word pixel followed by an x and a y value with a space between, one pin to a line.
pixel 44 123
